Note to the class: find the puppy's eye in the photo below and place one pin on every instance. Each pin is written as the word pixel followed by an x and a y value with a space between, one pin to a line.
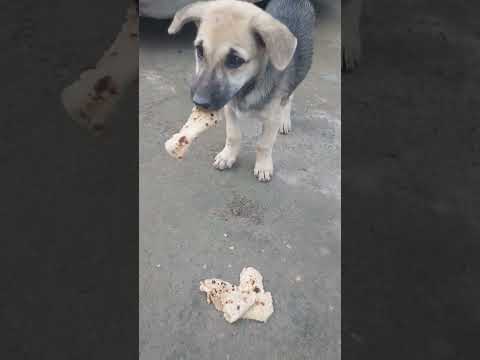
pixel 200 53
pixel 234 61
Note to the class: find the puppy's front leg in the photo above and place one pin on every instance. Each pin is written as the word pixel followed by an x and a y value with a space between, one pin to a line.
pixel 227 157
pixel 264 164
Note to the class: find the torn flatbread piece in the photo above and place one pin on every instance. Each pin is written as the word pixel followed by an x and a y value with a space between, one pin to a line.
pixel 261 309
pixel 251 278
pixel 216 290
pixel 199 121
pixel 248 300
pixel 92 98
pixel 236 305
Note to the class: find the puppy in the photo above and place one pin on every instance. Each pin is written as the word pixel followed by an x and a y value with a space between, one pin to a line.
pixel 248 64
pixel 351 43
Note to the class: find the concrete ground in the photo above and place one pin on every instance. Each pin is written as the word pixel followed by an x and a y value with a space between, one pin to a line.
pixel 197 222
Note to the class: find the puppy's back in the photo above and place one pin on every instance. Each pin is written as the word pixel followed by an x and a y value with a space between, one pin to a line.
pixel 299 17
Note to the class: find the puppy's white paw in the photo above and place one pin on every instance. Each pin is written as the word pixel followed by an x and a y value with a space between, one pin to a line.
pixel 225 159
pixel 264 170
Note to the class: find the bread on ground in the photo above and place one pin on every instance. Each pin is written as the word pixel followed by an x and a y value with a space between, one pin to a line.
pixel 216 290
pixel 261 309
pixel 248 300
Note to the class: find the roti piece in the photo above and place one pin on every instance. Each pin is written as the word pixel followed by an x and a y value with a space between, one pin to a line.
pixel 262 309
pixel 216 290
pixel 198 121
pixel 92 98
pixel 237 303
pixel 246 301
pixel 250 278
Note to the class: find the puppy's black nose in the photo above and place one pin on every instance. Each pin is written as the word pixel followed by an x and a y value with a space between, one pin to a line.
pixel 202 102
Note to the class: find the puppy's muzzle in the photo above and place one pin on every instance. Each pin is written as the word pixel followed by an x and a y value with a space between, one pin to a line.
pixel 202 102
pixel 209 93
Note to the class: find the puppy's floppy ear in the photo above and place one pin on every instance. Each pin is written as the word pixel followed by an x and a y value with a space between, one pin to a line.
pixel 193 12
pixel 279 41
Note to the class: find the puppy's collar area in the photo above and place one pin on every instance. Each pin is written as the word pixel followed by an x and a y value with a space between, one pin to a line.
pixel 257 92
pixel 247 88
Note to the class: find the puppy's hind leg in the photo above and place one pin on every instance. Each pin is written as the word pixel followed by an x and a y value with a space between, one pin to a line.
pixel 227 157
pixel 351 41
pixel 286 125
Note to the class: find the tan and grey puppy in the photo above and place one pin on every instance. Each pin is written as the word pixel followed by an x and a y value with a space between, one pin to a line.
pixel 248 64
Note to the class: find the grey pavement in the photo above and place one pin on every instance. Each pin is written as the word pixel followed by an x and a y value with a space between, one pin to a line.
pixel 197 222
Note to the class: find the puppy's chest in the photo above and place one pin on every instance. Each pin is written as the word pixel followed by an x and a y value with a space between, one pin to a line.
pixel 239 114
pixel 247 116
pixel 249 122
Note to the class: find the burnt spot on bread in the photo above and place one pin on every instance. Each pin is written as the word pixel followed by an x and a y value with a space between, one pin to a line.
pixel 104 84
pixel 213 281
pixel 183 141
pixel 256 289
